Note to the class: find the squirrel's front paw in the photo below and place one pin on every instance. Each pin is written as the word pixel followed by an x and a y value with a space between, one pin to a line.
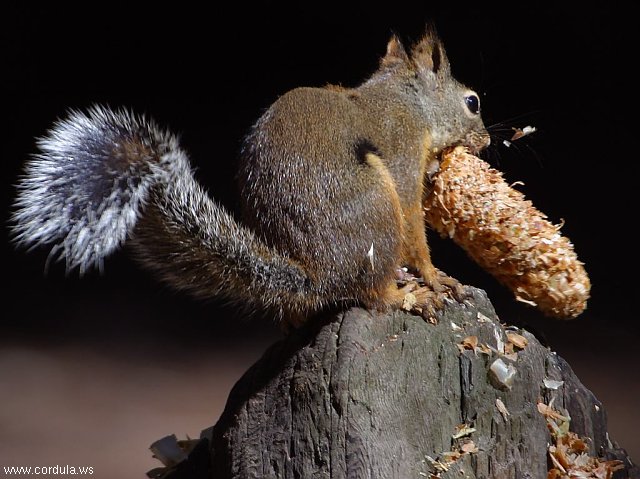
pixel 426 299
pixel 450 287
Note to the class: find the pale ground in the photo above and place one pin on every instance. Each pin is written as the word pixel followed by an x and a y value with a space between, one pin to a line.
pixel 79 406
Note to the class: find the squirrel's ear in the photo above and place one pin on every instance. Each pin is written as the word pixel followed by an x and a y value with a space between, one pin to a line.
pixel 429 54
pixel 395 53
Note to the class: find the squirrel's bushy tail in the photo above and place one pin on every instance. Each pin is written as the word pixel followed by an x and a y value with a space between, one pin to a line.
pixel 105 176
pixel 84 190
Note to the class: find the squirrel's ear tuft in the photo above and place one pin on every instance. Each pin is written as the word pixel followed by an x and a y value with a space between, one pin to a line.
pixel 429 54
pixel 395 53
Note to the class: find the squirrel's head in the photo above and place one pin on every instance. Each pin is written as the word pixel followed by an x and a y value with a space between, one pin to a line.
pixel 451 110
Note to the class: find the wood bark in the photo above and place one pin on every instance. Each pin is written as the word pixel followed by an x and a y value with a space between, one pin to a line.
pixel 380 395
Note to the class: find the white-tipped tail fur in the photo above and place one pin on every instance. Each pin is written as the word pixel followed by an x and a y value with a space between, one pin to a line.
pixel 84 190
pixel 103 177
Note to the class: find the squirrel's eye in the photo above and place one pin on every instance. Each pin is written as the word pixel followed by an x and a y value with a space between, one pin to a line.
pixel 472 103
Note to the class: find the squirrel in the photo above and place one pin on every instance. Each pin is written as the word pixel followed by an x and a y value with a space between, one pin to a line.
pixel 331 179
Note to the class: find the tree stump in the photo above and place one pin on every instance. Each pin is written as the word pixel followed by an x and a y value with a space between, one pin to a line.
pixel 387 395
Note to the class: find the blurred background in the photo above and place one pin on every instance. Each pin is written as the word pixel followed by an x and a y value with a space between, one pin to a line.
pixel 94 370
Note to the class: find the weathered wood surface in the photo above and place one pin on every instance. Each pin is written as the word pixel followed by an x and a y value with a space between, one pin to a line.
pixel 372 395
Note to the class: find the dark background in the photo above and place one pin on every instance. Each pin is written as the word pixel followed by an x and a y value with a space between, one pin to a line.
pixel 208 75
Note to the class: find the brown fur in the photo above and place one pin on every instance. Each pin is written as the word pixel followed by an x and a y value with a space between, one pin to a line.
pixel 327 173
pixel 332 182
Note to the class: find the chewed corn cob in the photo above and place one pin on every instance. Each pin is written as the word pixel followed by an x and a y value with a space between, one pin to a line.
pixel 506 235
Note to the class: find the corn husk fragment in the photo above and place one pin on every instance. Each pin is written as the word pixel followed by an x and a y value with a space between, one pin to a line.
pixel 502 409
pixel 517 340
pixel 569 453
pixel 506 235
